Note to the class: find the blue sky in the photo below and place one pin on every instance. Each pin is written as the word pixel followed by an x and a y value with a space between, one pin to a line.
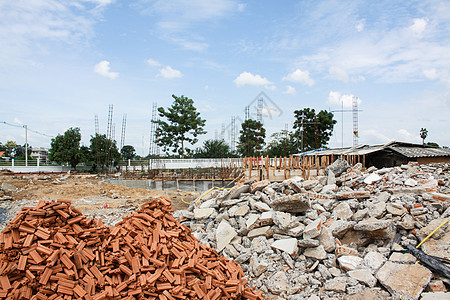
pixel 63 62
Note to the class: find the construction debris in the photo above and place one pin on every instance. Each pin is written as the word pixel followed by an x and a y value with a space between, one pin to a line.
pixel 333 236
pixel 53 251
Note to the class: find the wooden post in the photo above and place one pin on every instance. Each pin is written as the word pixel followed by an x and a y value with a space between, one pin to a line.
pixel 364 160
pixel 249 168
pixel 267 167
pixel 285 174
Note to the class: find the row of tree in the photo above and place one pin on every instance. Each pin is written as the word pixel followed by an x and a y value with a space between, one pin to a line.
pixel 182 123
pixel 102 152
pixel 13 150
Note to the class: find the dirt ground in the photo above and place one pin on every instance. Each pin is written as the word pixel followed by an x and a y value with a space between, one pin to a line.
pixel 86 191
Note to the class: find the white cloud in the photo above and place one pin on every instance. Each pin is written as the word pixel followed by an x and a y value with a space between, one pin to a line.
pixel 248 78
pixel 375 137
pixel 103 69
pixel 360 25
pixel 170 73
pixel 28 27
pixel 175 19
pixel 338 73
pixel 290 90
pixel 300 77
pixel 18 121
pixel 153 62
pixel 346 100
pixel 404 135
pixel 419 27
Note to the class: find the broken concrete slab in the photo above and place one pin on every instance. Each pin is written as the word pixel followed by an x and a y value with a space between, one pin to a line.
pixel 224 234
pixel 403 280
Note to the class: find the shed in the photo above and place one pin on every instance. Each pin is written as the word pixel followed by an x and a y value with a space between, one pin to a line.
pixel 387 155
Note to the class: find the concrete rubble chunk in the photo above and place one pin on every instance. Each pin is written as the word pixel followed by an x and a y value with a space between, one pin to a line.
pixel 252 221
pixel 343 211
pixel 377 209
pixel 378 229
pixel 278 283
pixel 224 234
pixel 316 252
pixel 208 203
pixel 364 276
pixel 296 231
pixel 236 191
pixel 403 258
pixel 295 203
pixel 287 245
pixel 327 240
pixel 309 184
pixel 285 220
pixel 259 185
pixel 261 206
pixel 396 209
pixel 404 280
pixel 340 227
pixel 350 262
pixel 372 178
pixel 313 229
pixel 338 167
pixel 308 243
pixel 374 260
pixel 435 296
pixel 337 284
pixel 434 224
pixel 262 231
pixel 407 222
pixel 242 211
pixel 345 195
pixel 203 213
pixel 266 218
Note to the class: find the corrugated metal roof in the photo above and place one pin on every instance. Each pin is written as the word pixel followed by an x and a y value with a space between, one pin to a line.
pixel 421 152
pixel 406 149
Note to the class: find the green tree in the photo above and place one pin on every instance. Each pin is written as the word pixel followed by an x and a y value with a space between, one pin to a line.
pixel 283 143
pixel 423 135
pixel 251 139
pixel 103 152
pixel 128 152
pixel 9 148
pixel 313 130
pixel 66 148
pixel 214 148
pixel 180 123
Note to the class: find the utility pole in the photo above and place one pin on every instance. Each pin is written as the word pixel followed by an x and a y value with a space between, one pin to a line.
pixel 26 145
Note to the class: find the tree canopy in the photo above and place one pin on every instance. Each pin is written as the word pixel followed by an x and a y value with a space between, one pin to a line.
pixel 214 148
pixel 66 148
pixel 251 139
pixel 103 151
pixel 283 143
pixel 180 123
pixel 128 152
pixel 423 134
pixel 313 130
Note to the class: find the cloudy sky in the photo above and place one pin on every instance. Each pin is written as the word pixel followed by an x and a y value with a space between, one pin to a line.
pixel 64 61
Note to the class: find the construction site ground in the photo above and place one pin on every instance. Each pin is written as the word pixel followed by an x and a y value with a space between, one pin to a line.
pixel 89 193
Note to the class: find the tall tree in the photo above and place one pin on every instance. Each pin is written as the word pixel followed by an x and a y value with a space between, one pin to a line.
pixel 251 139
pixel 423 135
pixel 313 130
pixel 283 143
pixel 180 123
pixel 128 152
pixel 66 148
pixel 214 149
pixel 104 151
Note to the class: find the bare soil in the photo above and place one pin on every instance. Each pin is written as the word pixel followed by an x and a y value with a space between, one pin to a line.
pixel 86 191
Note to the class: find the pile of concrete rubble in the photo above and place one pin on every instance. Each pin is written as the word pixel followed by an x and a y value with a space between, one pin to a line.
pixel 341 235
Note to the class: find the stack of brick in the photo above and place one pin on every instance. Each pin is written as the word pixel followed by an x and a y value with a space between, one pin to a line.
pixel 53 251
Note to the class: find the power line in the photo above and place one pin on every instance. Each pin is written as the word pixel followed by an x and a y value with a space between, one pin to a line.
pixel 23 126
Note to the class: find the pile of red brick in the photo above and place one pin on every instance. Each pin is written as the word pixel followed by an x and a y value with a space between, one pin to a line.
pixel 53 251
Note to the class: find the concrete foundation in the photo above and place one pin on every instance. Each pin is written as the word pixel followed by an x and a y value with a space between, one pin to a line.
pixel 171 185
